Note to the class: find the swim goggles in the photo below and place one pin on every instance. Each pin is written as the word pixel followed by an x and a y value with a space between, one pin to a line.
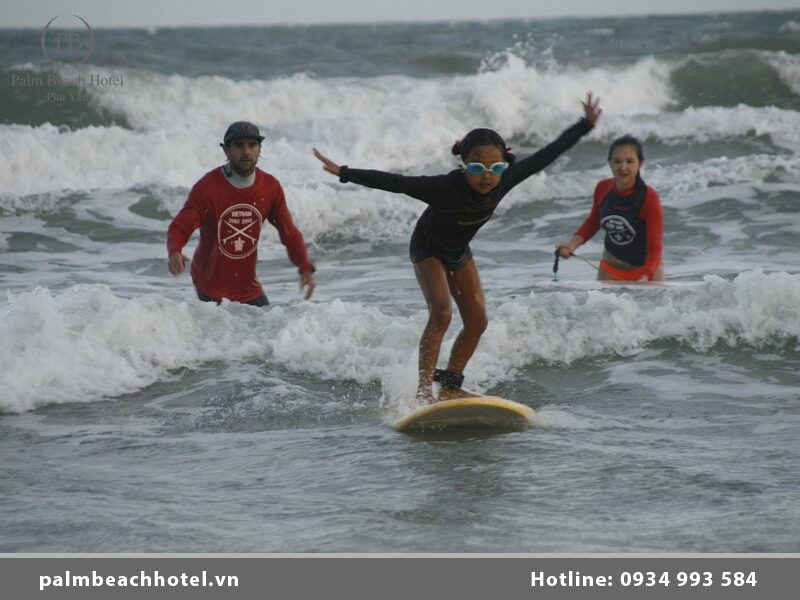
pixel 476 168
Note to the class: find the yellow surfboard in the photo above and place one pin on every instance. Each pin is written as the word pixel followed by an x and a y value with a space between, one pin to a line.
pixel 474 412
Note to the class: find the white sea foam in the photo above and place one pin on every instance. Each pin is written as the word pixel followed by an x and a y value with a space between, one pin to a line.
pixel 603 31
pixel 790 26
pixel 86 343
pixel 710 377
pixel 557 417
pixel 503 96
pixel 788 68
pixel 44 159
pixel 678 184
pixel 395 123
pixel 707 124
pixel 681 183
pixel 325 208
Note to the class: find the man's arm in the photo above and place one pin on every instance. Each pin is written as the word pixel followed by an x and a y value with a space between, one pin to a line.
pixel 281 219
pixel 180 230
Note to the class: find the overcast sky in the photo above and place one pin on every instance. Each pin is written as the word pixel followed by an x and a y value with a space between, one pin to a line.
pixel 176 13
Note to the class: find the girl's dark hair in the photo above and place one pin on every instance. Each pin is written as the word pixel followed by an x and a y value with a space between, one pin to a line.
pixel 627 140
pixel 482 137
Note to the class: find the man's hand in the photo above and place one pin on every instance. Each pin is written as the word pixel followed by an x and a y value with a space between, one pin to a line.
pixel 177 263
pixel 307 282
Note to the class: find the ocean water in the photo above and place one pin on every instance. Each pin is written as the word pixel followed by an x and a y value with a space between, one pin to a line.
pixel 134 418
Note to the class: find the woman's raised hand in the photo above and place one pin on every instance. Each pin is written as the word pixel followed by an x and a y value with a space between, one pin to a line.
pixel 327 164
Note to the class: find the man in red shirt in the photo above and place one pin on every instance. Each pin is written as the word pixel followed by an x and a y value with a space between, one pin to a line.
pixel 229 205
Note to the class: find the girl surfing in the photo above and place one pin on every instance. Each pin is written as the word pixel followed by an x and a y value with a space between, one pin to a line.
pixel 459 204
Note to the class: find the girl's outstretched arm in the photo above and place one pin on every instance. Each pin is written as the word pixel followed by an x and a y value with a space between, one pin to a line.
pixel 591 108
pixel 429 189
pixel 534 163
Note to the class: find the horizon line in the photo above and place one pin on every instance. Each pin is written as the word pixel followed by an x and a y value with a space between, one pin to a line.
pixel 423 21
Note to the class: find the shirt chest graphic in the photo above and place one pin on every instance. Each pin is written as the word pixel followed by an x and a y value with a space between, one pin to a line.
pixel 238 230
pixel 619 218
pixel 619 230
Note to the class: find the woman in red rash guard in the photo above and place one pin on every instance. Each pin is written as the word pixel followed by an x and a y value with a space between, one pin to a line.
pixel 630 212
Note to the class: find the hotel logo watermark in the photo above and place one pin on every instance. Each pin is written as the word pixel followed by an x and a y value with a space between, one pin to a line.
pixel 67 43
pixel 66 39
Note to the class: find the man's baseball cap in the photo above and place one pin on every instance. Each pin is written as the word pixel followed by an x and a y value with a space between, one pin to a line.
pixel 242 129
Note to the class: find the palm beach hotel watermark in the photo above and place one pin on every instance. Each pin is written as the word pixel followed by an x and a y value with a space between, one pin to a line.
pixel 67 43
pixel 67 89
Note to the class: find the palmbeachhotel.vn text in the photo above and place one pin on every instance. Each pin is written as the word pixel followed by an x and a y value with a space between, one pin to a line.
pixel 140 580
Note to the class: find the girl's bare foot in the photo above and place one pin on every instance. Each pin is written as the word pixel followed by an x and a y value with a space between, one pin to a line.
pixel 450 393
pixel 425 397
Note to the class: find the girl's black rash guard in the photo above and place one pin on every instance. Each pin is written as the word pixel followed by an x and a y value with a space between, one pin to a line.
pixel 456 211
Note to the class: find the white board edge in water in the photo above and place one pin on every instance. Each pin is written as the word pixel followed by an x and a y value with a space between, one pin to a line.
pixel 596 284
pixel 480 411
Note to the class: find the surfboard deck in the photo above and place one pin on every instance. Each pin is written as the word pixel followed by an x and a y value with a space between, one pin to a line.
pixel 489 412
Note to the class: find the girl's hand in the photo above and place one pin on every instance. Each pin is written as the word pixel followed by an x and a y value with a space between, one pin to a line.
pixel 565 250
pixel 591 108
pixel 327 164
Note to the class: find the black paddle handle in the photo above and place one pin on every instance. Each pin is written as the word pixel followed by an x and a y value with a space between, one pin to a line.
pixel 555 265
